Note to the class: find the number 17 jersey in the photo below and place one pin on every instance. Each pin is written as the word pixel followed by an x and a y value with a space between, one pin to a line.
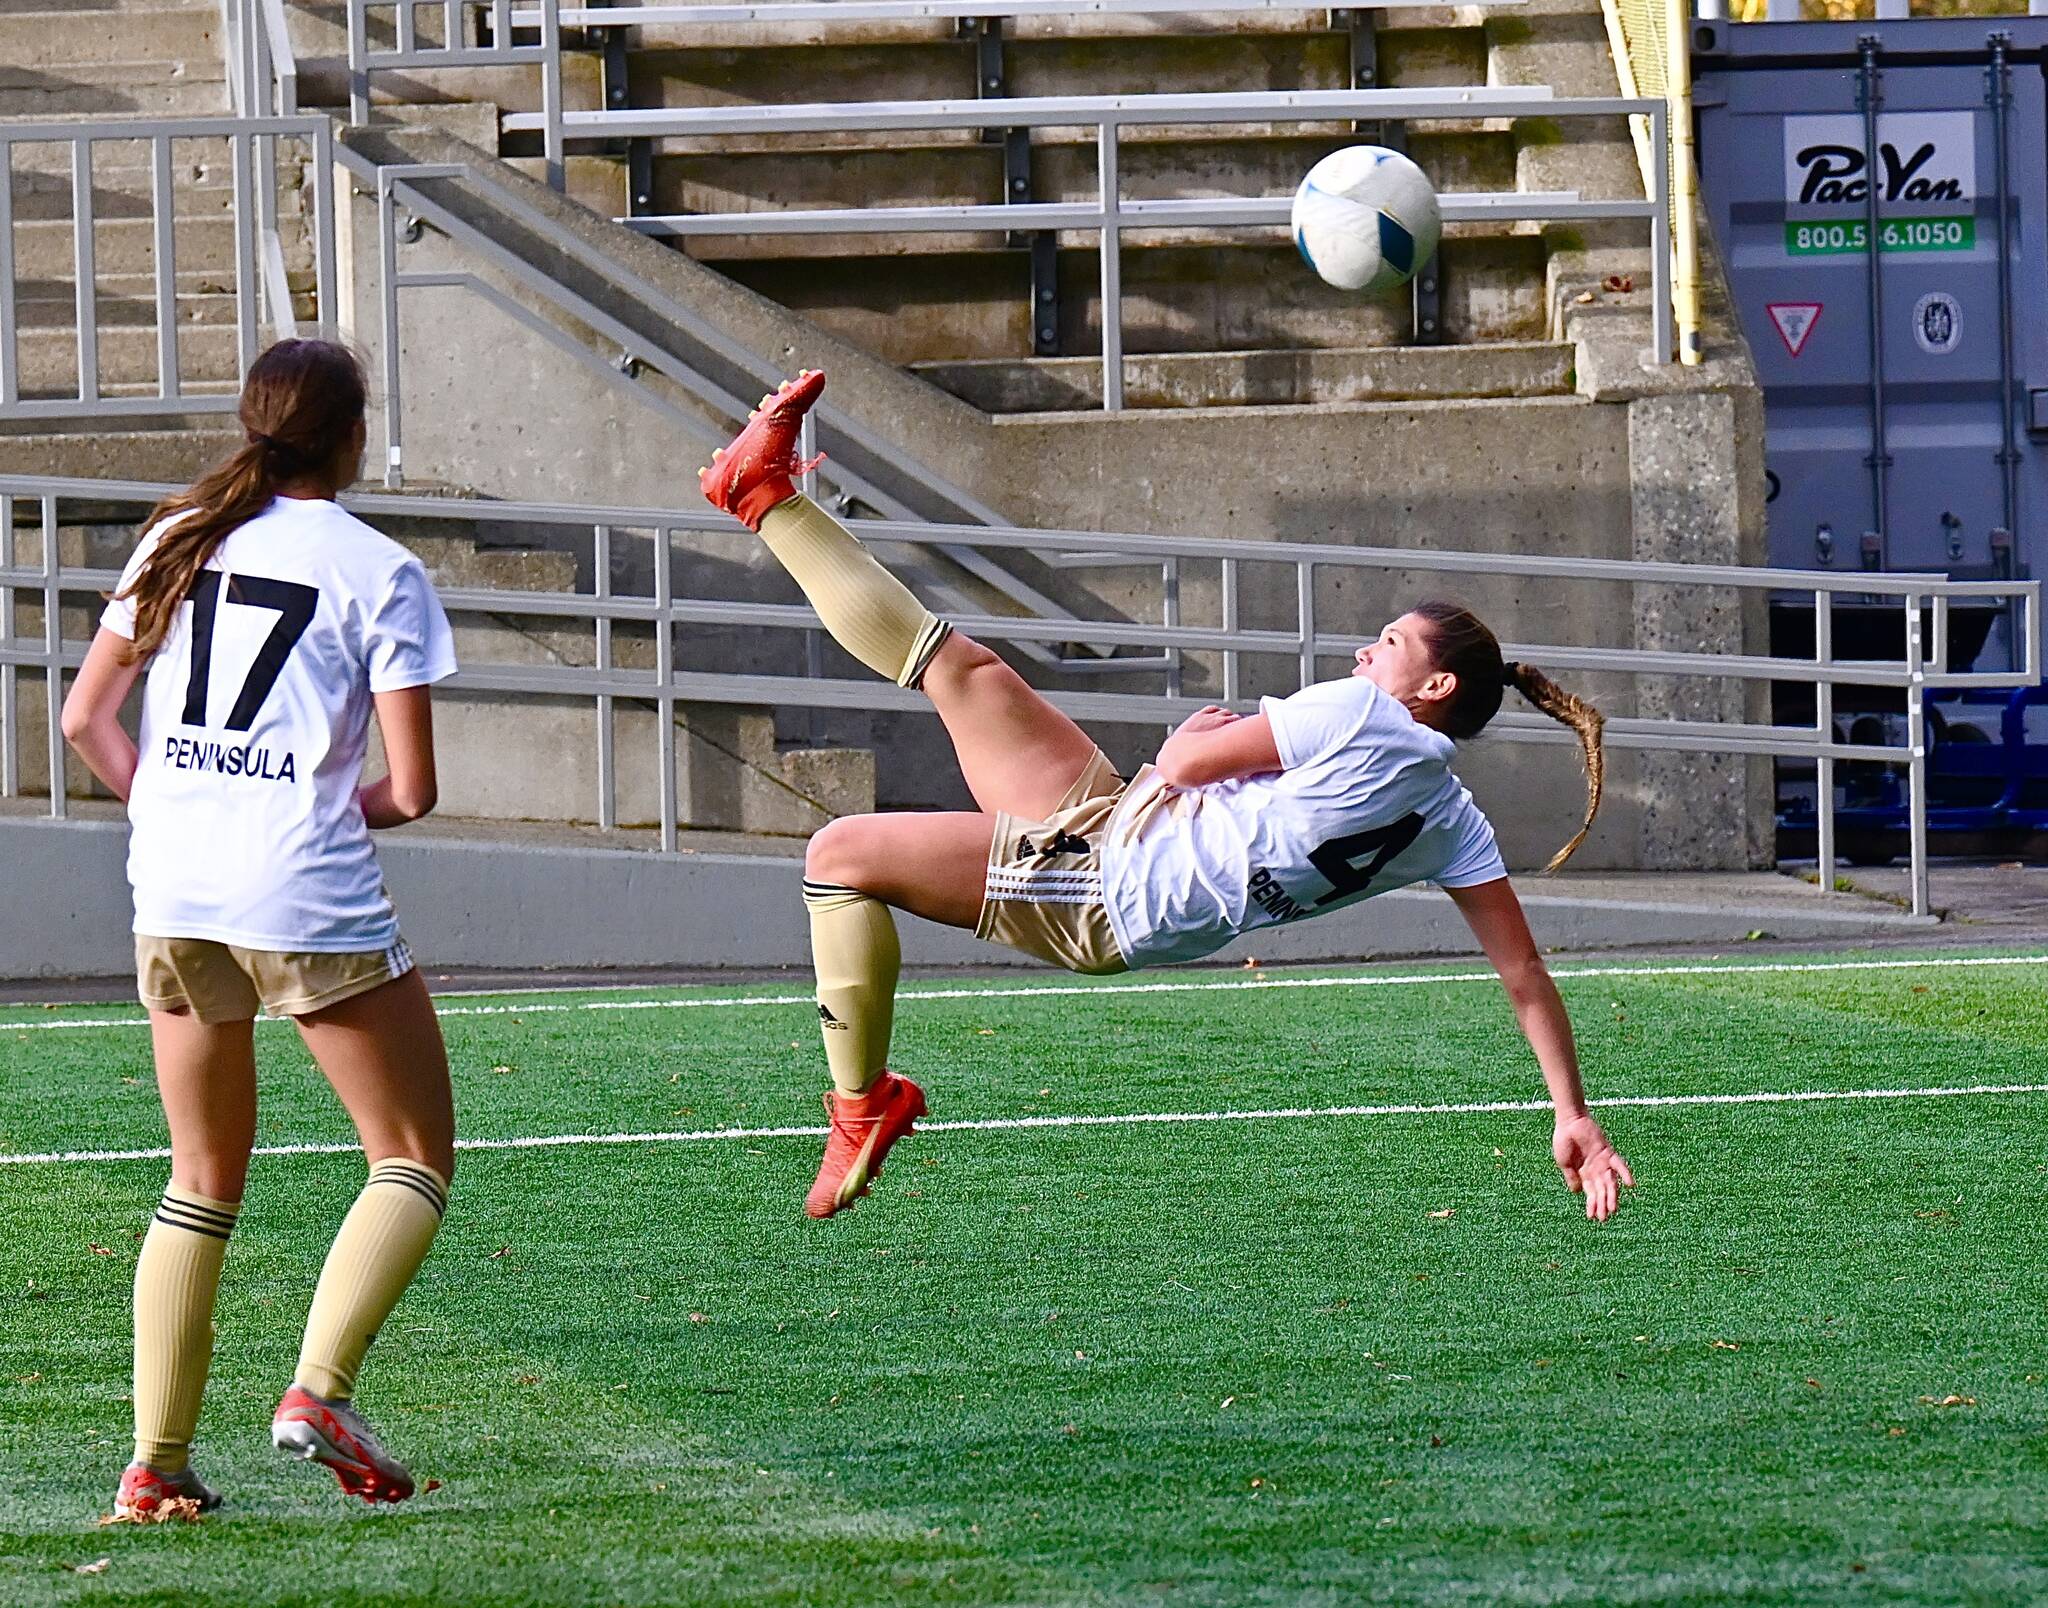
pixel 1365 803
pixel 245 827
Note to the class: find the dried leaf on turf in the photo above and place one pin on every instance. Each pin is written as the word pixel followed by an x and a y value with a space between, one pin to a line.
pixel 1448 1211
pixel 171 1510
pixel 97 1566
pixel 1727 1345
pixel 99 1250
pixel 1948 1401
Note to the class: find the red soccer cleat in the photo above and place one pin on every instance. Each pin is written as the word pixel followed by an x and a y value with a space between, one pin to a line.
pixel 333 1433
pixel 760 467
pixel 862 1132
pixel 147 1496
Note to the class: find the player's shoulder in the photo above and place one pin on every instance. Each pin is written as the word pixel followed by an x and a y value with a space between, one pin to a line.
pixel 361 548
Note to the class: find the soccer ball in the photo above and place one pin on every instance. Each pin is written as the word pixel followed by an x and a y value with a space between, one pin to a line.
pixel 1366 219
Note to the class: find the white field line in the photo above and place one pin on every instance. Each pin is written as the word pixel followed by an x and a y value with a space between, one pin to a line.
pixel 1233 986
pixel 1140 1119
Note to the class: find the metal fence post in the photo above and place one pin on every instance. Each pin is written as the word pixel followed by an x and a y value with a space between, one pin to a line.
pixel 86 289
pixel 10 374
pixel 551 92
pixel 387 251
pixel 665 678
pixel 1305 610
pixel 1229 590
pixel 1824 722
pixel 53 658
pixel 325 226
pixel 1660 232
pixel 163 209
pixel 1916 750
pixel 607 762
pixel 1110 244
pixel 10 691
pixel 358 64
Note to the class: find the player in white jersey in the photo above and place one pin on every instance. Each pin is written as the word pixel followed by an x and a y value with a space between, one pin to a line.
pixel 1340 792
pixel 271 626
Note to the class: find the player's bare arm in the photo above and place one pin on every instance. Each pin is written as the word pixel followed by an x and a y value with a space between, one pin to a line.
pixel 1214 745
pixel 92 714
pixel 409 789
pixel 1589 1163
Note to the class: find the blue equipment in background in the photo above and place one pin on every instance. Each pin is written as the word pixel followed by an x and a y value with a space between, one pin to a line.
pixel 1905 389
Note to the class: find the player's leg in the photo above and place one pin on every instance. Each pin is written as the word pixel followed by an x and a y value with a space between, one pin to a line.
pixel 1017 752
pixel 383 1053
pixel 206 1073
pixel 933 865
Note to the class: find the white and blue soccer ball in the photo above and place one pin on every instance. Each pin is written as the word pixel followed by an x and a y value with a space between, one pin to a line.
pixel 1366 219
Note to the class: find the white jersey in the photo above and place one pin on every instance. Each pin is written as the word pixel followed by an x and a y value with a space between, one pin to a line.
pixel 255 720
pixel 1366 803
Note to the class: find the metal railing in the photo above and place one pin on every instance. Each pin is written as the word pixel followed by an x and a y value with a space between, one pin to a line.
pixel 257 149
pixel 1225 573
pixel 460 44
pixel 1652 50
pixel 838 11
pixel 1111 213
pixel 263 69
pixel 406 197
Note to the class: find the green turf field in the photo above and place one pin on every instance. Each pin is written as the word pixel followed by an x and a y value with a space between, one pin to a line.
pixel 1307 1359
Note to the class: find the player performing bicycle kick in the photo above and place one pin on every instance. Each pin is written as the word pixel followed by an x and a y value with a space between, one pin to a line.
pixel 270 624
pixel 1340 792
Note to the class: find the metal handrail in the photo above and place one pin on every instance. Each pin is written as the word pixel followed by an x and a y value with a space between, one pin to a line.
pixel 711 16
pixel 399 186
pixel 665 686
pixel 1110 213
pixel 262 294
pixel 455 51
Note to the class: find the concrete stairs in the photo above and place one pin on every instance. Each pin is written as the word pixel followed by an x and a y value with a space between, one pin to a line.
pixel 1186 291
pixel 958 299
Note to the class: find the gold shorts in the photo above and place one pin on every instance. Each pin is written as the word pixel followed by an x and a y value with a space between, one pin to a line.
pixel 223 983
pixel 1044 889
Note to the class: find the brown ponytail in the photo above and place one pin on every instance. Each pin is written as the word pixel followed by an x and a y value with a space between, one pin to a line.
pixel 1573 711
pixel 1462 644
pixel 300 403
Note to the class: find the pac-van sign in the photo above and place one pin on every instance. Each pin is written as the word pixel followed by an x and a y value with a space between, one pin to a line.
pixel 1926 178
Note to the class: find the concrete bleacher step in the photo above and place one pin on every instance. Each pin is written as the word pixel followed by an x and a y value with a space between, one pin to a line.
pixel 59 40
pixel 1260 378
pixel 55 307
pixel 118 89
pixel 45 249
pixel 47 358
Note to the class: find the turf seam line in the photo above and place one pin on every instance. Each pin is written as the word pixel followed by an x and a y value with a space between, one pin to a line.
pixel 1235 985
pixel 1103 1120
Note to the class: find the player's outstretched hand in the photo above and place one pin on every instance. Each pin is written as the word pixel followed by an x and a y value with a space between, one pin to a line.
pixel 1590 1165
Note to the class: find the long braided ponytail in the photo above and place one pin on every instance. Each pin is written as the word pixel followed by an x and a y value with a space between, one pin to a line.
pixel 1462 644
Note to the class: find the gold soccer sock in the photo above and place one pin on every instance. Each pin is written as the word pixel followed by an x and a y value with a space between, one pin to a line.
pixel 853 948
pixel 380 1247
pixel 177 1277
pixel 870 613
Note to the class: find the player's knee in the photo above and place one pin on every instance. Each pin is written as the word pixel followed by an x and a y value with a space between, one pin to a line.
pixel 834 853
pixel 961 659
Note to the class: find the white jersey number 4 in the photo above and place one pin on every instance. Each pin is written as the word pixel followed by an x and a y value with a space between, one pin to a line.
pixel 294 605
